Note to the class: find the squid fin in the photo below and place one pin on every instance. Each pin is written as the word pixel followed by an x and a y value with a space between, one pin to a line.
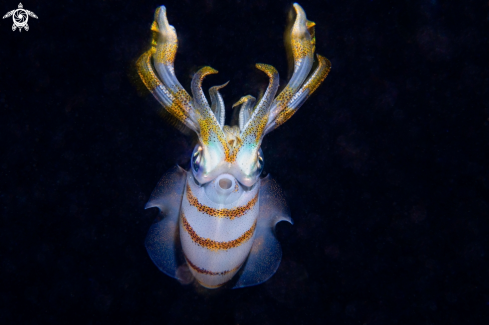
pixel 163 240
pixel 265 254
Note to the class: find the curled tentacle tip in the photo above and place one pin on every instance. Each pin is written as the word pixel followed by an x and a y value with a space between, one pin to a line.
pixel 215 89
pixel 301 21
pixel 221 86
pixel 298 9
pixel 323 60
pixel 160 13
pixel 207 70
pixel 163 24
pixel 243 100
pixel 268 69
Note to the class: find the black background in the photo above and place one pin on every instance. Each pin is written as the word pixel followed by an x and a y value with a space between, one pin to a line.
pixel 385 168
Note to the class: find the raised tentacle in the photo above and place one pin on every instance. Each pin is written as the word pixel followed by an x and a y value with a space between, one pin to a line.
pixel 247 103
pixel 196 87
pixel 211 135
pixel 253 131
pixel 161 93
pixel 217 103
pixel 312 83
pixel 264 103
pixel 301 43
pixel 166 44
pixel 167 90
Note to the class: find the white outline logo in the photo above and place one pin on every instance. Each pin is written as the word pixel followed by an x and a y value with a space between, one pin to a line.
pixel 20 17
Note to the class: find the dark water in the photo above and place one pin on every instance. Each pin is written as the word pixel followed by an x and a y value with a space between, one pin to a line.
pixel 385 168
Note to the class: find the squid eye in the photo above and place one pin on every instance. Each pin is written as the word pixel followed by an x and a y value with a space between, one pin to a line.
pixel 196 158
pixel 260 164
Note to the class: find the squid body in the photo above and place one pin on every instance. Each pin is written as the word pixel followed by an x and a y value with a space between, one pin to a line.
pixel 218 219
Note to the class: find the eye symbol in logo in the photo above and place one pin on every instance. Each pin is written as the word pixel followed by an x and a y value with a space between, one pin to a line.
pixel 20 17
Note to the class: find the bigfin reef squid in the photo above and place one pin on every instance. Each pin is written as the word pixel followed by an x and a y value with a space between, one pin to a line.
pixel 217 220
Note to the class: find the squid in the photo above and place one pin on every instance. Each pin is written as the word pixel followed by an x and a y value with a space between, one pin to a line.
pixel 217 220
